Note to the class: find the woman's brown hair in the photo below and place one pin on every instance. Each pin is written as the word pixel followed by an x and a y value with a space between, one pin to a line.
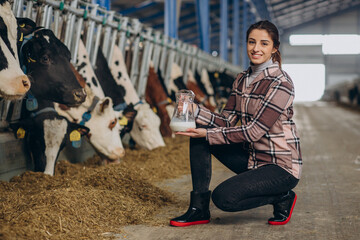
pixel 274 34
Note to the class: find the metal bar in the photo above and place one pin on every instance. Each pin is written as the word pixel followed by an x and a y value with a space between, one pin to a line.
pixel 20 8
pixel 43 17
pixel 157 50
pixel 144 71
pixel 135 63
pixel 203 19
pixel 194 60
pixel 112 45
pixel 187 61
pixel 177 51
pixel 91 29
pixel 96 45
pixel 76 40
pixel 122 38
pixel 236 33
pixel 28 13
pixel 107 34
pixel 169 63
pixel 245 61
pixel 170 20
pixel 56 23
pixel 48 17
pixel 163 55
pixel 224 29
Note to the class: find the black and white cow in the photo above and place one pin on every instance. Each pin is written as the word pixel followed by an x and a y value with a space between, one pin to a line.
pixel 47 61
pixel 146 130
pixel 46 134
pixel 85 69
pixel 46 57
pixel 102 123
pixel 13 82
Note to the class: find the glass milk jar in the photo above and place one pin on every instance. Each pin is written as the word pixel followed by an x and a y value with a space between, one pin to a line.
pixel 183 116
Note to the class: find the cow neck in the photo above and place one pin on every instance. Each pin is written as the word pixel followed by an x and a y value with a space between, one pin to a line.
pixel 45 106
pixel 87 115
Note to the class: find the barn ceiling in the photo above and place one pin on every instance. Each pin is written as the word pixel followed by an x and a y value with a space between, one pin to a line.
pixel 286 14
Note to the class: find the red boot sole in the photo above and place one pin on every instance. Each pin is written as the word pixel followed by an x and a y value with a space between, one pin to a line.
pixel 180 224
pixel 288 219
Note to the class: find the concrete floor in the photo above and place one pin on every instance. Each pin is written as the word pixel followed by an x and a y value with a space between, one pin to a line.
pixel 328 205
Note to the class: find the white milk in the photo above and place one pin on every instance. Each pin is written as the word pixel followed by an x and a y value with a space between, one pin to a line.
pixel 181 126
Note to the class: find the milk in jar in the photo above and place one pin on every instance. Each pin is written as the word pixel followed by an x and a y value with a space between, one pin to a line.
pixel 183 116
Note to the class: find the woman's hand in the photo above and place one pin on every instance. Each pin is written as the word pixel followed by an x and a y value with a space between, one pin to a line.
pixel 194 132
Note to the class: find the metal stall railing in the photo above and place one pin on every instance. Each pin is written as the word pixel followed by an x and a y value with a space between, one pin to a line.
pixel 107 28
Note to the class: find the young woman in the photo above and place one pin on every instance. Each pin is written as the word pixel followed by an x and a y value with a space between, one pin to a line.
pixel 254 136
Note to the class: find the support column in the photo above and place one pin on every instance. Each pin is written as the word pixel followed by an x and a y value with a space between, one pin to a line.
pixel 245 60
pixel 171 20
pixel 224 29
pixel 236 33
pixel 203 20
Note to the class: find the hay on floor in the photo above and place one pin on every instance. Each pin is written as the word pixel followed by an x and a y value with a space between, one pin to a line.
pixel 83 201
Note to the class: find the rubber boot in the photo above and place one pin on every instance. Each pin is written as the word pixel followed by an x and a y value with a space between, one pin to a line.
pixel 198 212
pixel 283 209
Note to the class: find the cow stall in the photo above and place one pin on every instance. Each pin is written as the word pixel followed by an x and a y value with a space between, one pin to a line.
pixel 85 198
pixel 89 30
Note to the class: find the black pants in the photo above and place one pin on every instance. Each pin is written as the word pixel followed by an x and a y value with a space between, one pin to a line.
pixel 249 188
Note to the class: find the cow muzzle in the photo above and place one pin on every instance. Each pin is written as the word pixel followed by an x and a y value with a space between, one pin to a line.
pixel 79 95
pixel 23 84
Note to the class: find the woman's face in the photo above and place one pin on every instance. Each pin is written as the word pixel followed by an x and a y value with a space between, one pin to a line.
pixel 260 46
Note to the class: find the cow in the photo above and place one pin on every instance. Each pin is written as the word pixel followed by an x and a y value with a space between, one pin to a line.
pixel 13 82
pixel 85 69
pixel 102 124
pixel 222 85
pixel 46 134
pixel 146 127
pixel 45 57
pixel 47 61
pixel 83 66
pixel 204 83
pixel 176 83
pixel 200 96
pixel 158 100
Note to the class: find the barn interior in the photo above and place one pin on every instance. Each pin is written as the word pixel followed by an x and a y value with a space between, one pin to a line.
pixel 319 45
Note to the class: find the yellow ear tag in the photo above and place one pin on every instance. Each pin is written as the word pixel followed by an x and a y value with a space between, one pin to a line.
pixel 216 75
pixel 123 121
pixel 75 136
pixel 31 60
pixel 169 100
pixel 20 133
pixel 22 25
pixel 154 109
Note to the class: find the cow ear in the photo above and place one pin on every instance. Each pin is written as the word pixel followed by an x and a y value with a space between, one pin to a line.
pixel 25 26
pixel 106 103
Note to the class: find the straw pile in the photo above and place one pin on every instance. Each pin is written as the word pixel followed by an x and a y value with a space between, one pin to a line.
pixel 83 201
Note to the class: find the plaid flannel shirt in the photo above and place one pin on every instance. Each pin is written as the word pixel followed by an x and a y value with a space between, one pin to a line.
pixel 264 110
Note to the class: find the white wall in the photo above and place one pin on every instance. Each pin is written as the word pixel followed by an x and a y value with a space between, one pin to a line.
pixel 338 67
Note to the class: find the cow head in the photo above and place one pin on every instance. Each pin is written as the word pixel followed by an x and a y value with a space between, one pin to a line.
pixel 103 125
pixel 47 61
pixel 13 82
pixel 145 131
